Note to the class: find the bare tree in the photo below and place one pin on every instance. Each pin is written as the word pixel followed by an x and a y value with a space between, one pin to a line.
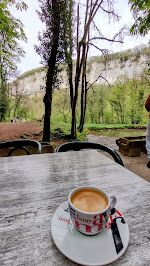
pixel 91 36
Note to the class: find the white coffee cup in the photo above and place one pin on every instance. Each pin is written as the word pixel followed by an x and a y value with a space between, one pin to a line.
pixel 90 208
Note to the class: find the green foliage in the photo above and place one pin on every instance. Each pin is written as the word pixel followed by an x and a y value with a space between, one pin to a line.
pixel 3 102
pixel 117 98
pixel 35 106
pixel 145 50
pixel 23 111
pixel 65 29
pixel 141 14
pixel 61 105
pixel 107 126
pixel 11 31
pixel 105 105
pixel 123 103
pixel 97 104
pixel 63 129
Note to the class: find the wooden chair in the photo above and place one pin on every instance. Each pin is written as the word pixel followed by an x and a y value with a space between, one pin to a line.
pixel 20 145
pixel 79 145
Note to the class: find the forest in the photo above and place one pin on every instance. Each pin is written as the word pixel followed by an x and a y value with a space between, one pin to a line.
pixel 70 31
pixel 105 103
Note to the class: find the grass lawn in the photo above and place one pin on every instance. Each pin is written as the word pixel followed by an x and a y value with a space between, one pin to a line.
pixel 65 128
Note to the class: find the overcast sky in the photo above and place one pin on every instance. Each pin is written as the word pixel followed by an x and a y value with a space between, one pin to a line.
pixel 32 25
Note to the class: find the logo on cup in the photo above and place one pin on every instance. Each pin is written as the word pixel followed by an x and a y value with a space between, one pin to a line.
pixel 89 226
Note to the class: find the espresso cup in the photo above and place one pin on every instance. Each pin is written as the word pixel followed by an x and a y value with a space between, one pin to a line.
pixel 90 208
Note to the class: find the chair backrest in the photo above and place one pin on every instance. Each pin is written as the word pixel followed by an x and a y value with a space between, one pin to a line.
pixel 79 145
pixel 20 144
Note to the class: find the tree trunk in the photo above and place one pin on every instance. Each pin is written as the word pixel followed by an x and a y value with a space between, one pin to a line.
pixel 3 94
pixel 102 104
pixel 84 111
pixel 84 88
pixel 51 71
pixel 70 83
pixel 82 103
pixel 73 123
pixel 46 129
pixel 77 78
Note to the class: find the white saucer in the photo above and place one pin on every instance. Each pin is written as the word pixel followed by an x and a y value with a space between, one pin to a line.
pixel 101 249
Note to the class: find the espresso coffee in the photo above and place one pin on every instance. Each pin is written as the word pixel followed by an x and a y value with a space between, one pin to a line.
pixel 89 200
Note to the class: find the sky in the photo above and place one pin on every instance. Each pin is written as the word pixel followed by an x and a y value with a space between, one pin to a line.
pixel 32 25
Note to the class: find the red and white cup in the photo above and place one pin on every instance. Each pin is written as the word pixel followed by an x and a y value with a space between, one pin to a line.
pixel 90 223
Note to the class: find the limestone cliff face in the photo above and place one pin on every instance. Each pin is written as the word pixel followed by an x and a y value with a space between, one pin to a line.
pixel 34 83
pixel 133 67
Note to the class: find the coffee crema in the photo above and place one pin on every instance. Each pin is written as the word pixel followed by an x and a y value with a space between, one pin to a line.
pixel 89 200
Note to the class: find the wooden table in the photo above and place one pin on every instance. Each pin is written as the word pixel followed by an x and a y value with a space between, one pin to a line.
pixel 32 187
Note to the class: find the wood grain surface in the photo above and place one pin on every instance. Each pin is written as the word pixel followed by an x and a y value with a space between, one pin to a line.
pixel 32 187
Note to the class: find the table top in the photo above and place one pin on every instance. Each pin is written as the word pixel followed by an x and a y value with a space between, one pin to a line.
pixel 32 187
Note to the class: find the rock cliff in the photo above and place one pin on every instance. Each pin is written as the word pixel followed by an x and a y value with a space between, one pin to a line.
pixel 33 82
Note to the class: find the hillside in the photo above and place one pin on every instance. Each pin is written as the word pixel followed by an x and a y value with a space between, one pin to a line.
pixel 130 63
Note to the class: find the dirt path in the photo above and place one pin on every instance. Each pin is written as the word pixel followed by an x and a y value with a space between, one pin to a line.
pixel 9 131
pixel 33 130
